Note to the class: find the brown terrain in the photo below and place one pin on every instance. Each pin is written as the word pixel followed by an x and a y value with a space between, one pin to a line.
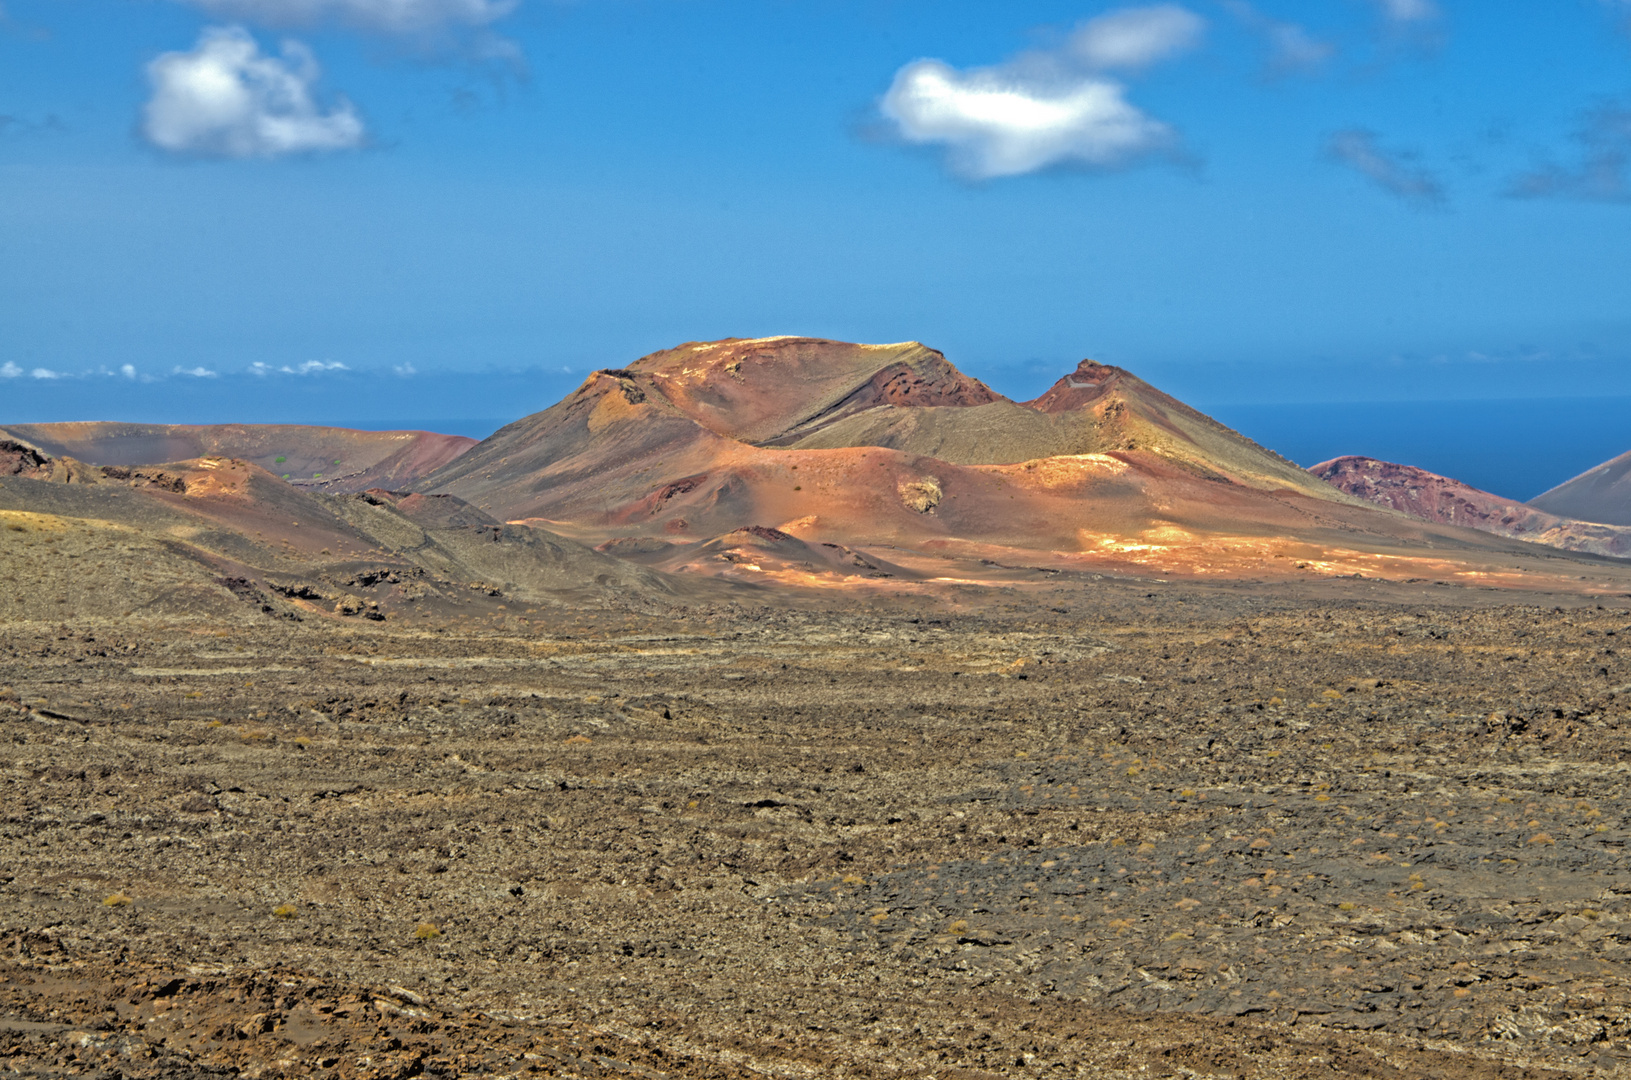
pixel 888 452
pixel 386 784
pixel 319 458
pixel 1430 497
pixel 1600 494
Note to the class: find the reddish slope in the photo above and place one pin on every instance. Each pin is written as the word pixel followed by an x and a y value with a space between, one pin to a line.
pixel 322 458
pixel 1599 494
pixel 1430 497
pixel 890 449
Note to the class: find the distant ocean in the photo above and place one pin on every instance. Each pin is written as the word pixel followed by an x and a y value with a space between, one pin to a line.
pixel 1513 447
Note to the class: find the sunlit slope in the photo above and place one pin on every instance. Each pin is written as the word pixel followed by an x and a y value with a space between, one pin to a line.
pixel 683 419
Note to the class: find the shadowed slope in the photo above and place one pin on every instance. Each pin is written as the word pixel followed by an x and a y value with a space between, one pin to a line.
pixel 1599 494
pixel 1430 497
pixel 322 458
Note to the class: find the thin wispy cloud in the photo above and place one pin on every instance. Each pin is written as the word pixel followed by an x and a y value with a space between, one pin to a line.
pixel 399 17
pixel 1407 11
pixel 199 372
pixel 226 99
pixel 308 367
pixel 1047 108
pixel 1603 173
pixel 1396 173
pixel 1291 48
pixel 1135 38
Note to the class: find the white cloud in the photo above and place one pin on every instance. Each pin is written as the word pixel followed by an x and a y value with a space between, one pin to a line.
pixel 401 17
pixel 128 371
pixel 307 368
pixel 405 370
pixel 1394 173
pixel 196 372
pixel 1291 48
pixel 225 99
pixel 8 370
pixel 1604 171
pixel 1047 108
pixel 1137 37
pixel 1408 11
pixel 45 373
pixel 1000 123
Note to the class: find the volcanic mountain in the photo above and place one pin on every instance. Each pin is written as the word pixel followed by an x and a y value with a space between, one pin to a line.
pixel 889 453
pixel 1430 497
pixel 321 458
pixel 1599 494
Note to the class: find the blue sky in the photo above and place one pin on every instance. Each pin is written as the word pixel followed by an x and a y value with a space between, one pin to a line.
pixel 455 208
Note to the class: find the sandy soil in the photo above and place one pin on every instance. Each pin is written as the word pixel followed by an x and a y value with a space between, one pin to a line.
pixel 1113 829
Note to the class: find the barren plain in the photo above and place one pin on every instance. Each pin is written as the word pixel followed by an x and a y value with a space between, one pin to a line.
pixel 1090 828
pixel 708 724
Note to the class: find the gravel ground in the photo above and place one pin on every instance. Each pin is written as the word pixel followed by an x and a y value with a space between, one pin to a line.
pixel 1118 830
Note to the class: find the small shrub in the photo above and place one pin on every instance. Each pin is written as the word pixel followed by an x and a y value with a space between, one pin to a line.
pixel 118 899
pixel 854 879
pixel 1347 905
pixel 284 911
pixel 957 927
pixel 427 931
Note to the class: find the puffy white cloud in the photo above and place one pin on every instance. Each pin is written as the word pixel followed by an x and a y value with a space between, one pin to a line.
pixel 405 17
pixel 128 371
pixel 1291 48
pixel 997 122
pixel 225 99
pixel 1137 37
pixel 1408 11
pixel 196 372
pixel 405 370
pixel 45 373
pixel 1604 171
pixel 8 370
pixel 1047 108
pixel 1395 173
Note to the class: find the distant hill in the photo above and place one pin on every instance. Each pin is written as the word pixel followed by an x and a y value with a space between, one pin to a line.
pixel 216 534
pixel 1430 497
pixel 1600 494
pixel 318 458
